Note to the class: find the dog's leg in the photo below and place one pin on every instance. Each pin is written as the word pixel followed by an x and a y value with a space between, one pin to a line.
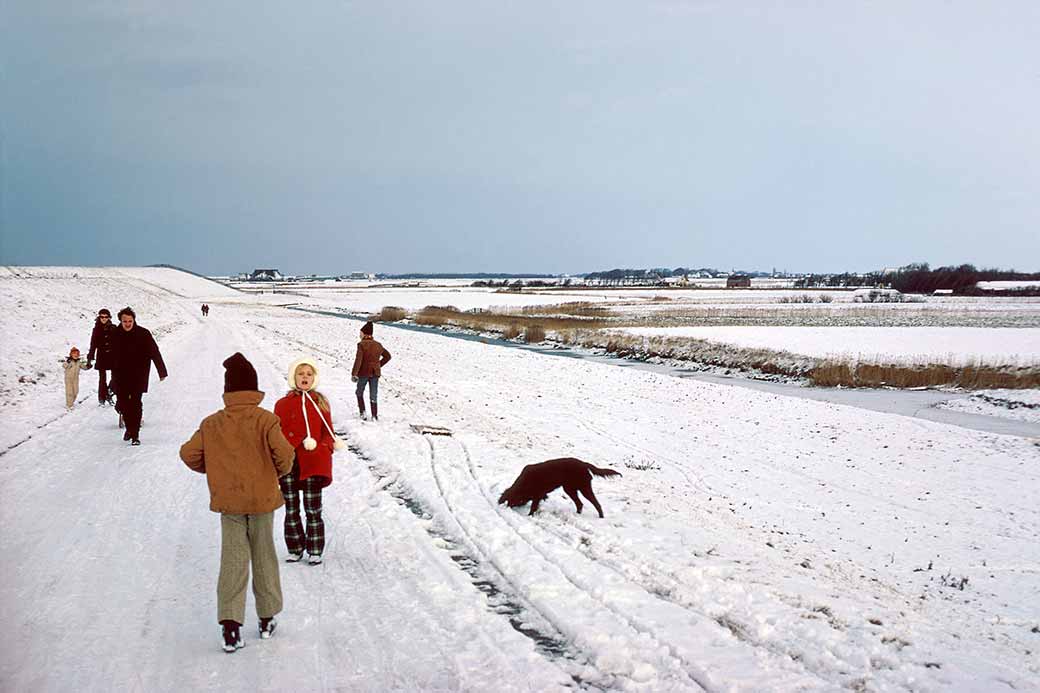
pixel 572 491
pixel 534 506
pixel 587 492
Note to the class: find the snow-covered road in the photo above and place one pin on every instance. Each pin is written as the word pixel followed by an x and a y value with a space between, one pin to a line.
pixel 755 542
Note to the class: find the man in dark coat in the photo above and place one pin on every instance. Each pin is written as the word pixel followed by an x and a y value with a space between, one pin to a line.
pixel 100 354
pixel 134 350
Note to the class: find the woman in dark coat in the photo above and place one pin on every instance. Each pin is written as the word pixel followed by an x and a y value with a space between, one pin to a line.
pixel 100 354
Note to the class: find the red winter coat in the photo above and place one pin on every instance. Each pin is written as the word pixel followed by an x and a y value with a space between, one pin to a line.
pixel 316 462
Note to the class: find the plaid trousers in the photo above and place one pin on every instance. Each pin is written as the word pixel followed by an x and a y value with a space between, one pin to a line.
pixel 295 539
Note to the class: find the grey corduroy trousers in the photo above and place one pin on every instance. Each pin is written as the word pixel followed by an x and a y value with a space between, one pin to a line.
pixel 245 540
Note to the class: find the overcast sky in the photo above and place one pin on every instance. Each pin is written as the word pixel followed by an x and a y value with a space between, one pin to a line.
pixel 522 136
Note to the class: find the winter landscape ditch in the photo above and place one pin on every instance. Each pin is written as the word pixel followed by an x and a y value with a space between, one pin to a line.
pixel 938 405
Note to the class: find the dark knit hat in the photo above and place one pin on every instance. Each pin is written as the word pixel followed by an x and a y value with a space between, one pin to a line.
pixel 366 328
pixel 239 374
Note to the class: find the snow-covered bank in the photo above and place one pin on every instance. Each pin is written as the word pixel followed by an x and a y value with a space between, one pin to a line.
pixel 952 345
pixel 755 541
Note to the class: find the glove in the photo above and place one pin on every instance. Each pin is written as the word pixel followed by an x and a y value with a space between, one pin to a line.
pixel 89 364
pixel 353 378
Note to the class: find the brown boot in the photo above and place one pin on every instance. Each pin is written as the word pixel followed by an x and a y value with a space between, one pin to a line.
pixel 361 406
pixel 375 411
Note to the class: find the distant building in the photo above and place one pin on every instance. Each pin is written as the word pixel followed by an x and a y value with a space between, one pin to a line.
pixel 266 275
pixel 361 275
pixel 738 281
pixel 942 292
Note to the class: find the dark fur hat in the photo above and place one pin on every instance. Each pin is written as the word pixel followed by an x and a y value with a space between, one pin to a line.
pixel 239 374
pixel 366 328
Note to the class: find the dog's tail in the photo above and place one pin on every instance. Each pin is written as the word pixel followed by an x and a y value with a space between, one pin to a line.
pixel 601 471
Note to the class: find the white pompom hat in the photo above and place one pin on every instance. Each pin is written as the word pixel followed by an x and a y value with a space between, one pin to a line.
pixel 309 443
pixel 302 362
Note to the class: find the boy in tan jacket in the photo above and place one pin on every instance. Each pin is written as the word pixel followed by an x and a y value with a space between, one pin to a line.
pixel 242 452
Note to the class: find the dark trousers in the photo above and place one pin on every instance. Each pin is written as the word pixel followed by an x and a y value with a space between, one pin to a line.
pixel 102 388
pixel 295 537
pixel 131 409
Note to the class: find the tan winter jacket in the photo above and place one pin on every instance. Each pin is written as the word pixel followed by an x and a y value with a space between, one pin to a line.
pixel 242 452
pixel 72 369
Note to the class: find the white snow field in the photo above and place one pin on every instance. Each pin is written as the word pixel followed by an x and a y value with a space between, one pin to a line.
pixel 755 542
pixel 951 345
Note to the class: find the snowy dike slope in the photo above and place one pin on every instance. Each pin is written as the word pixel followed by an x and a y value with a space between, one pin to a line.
pixel 754 543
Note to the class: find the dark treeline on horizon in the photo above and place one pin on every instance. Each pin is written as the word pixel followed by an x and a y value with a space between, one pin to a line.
pixel 919 278
pixel 466 275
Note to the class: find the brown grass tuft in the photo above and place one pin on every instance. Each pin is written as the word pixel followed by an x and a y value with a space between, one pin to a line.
pixel 534 334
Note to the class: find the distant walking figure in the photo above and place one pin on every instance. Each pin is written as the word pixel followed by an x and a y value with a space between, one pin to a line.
pixel 242 452
pixel 100 354
pixel 368 364
pixel 135 351
pixel 205 310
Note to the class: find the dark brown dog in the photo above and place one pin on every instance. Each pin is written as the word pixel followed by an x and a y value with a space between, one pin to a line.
pixel 537 481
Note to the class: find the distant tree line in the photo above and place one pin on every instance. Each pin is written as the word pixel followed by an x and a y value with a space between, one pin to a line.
pixel 464 275
pixel 919 278
pixel 520 283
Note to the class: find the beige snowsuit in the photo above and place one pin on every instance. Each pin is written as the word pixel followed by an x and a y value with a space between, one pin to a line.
pixel 72 369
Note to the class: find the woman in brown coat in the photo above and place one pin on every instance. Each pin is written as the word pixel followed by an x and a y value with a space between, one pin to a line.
pixel 368 364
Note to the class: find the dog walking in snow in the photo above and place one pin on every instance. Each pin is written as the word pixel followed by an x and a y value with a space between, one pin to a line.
pixel 537 481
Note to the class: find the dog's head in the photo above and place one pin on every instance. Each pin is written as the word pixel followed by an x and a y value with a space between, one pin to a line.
pixel 511 497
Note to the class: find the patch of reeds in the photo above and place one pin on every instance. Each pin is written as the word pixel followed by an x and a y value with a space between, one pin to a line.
pixel 534 334
pixel 511 332
pixel 488 321
pixel 575 308
pixel 969 377
pixel 392 314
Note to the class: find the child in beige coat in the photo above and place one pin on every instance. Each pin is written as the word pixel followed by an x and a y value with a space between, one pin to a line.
pixel 73 365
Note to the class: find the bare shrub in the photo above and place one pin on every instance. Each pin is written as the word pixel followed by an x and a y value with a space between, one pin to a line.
pixel 534 334
pixel 511 332
pixel 825 298
pixel 392 314
pixel 799 298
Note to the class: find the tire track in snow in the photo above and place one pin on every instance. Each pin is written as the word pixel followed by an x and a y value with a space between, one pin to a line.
pixel 689 675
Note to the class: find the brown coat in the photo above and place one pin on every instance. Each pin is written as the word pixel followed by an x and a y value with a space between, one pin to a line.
pixel 371 357
pixel 242 452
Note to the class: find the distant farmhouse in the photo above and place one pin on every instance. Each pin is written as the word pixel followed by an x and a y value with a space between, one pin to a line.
pixel 266 275
pixel 361 275
pixel 738 281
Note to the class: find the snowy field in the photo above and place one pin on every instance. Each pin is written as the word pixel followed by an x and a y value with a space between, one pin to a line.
pixel 949 345
pixel 754 543
pixel 1019 405
pixel 412 299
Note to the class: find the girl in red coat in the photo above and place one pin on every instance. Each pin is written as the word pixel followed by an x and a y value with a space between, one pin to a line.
pixel 307 425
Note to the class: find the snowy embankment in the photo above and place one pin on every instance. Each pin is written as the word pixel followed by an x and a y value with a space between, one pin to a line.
pixel 755 542
pixel 897 345
pixel 1020 405
pixel 49 310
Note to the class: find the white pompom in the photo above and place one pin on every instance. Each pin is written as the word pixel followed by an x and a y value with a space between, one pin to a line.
pixel 309 443
pixel 339 444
